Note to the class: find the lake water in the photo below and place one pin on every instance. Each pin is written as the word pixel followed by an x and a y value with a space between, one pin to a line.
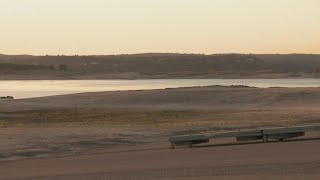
pixel 38 88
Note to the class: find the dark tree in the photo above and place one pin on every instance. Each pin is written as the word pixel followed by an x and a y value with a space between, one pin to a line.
pixel 63 67
pixel 52 67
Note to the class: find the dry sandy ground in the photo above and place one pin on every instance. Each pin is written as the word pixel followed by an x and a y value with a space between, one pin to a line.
pixel 287 160
pixel 122 135
pixel 19 143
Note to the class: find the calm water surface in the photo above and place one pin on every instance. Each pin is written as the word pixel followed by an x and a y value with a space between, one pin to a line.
pixel 38 88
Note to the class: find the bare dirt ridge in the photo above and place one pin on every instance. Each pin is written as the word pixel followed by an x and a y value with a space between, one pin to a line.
pixel 211 98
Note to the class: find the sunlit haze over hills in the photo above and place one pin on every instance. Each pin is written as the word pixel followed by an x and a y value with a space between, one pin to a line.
pixel 88 27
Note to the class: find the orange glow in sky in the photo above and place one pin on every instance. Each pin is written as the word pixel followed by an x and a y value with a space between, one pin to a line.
pixel 136 26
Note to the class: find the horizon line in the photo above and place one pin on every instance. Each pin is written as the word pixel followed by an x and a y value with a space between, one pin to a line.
pixel 122 54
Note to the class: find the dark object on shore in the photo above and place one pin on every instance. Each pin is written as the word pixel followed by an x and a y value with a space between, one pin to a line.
pixel 242 86
pixel 7 97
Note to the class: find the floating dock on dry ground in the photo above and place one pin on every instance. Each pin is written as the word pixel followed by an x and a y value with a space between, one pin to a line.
pixel 279 133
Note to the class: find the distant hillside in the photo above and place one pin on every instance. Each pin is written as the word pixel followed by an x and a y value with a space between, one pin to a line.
pixel 157 65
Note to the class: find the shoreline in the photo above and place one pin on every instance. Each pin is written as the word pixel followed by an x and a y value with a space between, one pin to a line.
pixel 25 89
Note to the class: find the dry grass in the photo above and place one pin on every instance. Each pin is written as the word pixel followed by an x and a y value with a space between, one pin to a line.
pixel 164 118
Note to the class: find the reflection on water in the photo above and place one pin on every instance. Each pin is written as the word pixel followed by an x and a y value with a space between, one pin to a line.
pixel 38 88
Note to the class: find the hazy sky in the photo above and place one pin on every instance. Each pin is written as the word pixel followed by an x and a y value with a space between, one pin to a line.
pixel 135 26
